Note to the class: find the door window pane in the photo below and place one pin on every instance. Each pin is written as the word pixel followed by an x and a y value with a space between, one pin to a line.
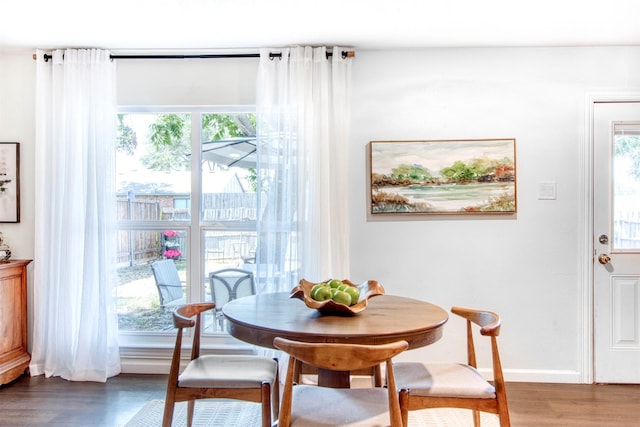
pixel 626 187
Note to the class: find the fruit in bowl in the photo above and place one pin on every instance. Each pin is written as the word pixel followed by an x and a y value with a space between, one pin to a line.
pixel 336 296
pixel 336 290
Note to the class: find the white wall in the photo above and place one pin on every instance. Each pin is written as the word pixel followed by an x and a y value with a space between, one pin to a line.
pixel 528 267
pixel 187 82
pixel 17 124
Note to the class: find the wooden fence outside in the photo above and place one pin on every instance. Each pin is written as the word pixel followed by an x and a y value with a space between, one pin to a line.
pixel 137 247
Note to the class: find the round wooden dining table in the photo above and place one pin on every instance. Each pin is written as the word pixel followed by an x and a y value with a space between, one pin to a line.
pixel 258 319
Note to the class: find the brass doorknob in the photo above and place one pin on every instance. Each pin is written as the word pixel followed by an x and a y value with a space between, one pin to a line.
pixel 604 259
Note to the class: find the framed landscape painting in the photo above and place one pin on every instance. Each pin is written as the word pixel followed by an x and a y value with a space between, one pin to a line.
pixel 9 182
pixel 471 176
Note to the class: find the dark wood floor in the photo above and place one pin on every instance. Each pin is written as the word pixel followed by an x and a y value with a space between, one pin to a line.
pixel 53 402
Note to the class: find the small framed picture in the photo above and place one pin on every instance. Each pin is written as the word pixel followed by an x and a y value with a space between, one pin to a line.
pixel 9 182
pixel 459 177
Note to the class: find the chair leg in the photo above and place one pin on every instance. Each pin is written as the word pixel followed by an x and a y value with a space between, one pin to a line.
pixel 297 373
pixel 403 397
pixel 476 418
pixel 377 376
pixel 265 397
pixel 190 409
pixel 220 321
pixel 275 394
pixel 504 418
pixel 168 413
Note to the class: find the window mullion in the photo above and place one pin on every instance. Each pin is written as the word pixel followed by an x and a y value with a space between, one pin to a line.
pixel 196 290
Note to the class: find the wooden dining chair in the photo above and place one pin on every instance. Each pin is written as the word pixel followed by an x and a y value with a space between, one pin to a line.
pixel 243 377
pixel 457 385
pixel 309 405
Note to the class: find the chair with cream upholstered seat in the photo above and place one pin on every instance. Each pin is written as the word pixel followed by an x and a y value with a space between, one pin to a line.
pixel 243 377
pixel 310 405
pixel 457 385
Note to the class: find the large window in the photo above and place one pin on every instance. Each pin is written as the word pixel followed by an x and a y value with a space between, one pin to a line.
pixel 186 207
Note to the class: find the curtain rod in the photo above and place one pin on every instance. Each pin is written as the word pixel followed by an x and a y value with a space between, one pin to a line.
pixel 345 54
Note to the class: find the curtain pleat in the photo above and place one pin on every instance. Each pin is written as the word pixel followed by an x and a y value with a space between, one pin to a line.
pixel 303 132
pixel 75 326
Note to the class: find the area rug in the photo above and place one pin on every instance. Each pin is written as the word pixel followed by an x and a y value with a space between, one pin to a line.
pixel 232 413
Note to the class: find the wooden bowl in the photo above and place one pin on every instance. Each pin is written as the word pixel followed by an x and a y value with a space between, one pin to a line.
pixel 368 289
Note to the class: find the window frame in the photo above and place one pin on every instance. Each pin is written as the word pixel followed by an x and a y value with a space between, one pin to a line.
pixel 134 344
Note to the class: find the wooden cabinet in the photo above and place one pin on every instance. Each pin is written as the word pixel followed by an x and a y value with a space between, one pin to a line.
pixel 14 358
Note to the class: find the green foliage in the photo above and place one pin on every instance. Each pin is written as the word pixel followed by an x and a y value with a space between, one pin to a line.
pixel 169 129
pixel 127 140
pixel 167 158
pixel 171 145
pixel 412 172
pixel 483 166
pixel 477 169
pixel 170 137
pixel 481 169
pixel 217 126
pixel 629 146
pixel 221 126
pixel 458 172
pixel 252 177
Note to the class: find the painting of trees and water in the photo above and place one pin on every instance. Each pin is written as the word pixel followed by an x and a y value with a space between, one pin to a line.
pixel 443 177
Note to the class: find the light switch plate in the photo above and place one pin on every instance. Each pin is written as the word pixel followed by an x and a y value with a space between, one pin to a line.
pixel 547 190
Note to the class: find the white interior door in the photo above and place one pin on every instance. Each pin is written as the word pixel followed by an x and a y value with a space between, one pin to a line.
pixel 616 216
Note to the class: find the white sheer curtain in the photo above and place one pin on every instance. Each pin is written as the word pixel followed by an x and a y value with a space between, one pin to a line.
pixel 303 120
pixel 75 321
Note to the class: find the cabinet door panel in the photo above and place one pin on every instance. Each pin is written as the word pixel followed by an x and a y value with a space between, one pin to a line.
pixel 14 358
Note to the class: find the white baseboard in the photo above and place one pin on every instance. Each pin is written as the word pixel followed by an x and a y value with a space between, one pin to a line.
pixel 542 376
pixel 142 366
pixel 158 360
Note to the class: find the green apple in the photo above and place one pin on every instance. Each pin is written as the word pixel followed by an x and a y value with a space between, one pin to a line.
pixel 323 293
pixel 342 297
pixel 354 293
pixel 315 288
pixel 335 283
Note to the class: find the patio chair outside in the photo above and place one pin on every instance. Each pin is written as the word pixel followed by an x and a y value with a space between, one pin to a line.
pixel 170 287
pixel 228 284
